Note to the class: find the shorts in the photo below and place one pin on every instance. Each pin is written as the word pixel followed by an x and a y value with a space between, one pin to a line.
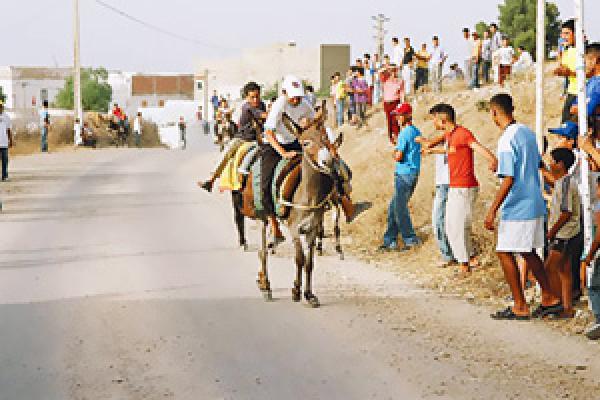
pixel 520 236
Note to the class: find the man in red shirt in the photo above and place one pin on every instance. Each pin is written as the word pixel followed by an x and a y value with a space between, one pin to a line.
pixel 460 148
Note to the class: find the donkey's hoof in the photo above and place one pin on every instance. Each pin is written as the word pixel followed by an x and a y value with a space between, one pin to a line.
pixel 296 296
pixel 342 257
pixel 244 246
pixel 320 252
pixel 267 295
pixel 311 300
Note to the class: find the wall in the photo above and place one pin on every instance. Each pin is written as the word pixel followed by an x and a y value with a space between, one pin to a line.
pixel 334 58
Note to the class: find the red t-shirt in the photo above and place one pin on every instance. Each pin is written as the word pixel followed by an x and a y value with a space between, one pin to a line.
pixel 460 158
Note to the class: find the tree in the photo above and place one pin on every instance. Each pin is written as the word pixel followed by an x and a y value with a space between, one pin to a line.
pixel 518 22
pixel 95 91
pixel 2 95
pixel 481 27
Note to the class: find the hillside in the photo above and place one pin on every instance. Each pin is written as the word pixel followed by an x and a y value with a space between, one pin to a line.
pixel 370 156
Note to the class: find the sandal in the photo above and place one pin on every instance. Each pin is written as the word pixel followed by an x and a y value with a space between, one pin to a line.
pixel 508 314
pixel 543 311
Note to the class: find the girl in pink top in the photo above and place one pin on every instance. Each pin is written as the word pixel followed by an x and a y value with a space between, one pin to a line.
pixel 393 94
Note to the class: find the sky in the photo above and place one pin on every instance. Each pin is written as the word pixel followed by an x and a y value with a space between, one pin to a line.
pixel 40 32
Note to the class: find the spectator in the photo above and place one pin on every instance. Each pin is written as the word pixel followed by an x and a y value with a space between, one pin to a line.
pixel 593 332
pixel 564 224
pixel 182 133
pixel 214 100
pixel 467 54
pixel 397 52
pixel 521 228
pixel 456 74
pixel 44 126
pixel 311 98
pixel 505 56
pixel 408 164
pixel 475 61
pixel 368 75
pixel 461 145
pixel 436 64
pixel 360 89
pixel 137 129
pixel 496 43
pixel 407 64
pixel 77 130
pixel 375 67
pixel 486 57
pixel 524 62
pixel 567 67
pixel 340 98
pixel 88 137
pixel 442 184
pixel 393 94
pixel 350 96
pixel 422 70
pixel 6 140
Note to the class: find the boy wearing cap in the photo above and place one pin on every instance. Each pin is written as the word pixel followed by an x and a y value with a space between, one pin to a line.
pixel 407 155
pixel 461 145
pixel 521 227
pixel 5 140
pixel 281 143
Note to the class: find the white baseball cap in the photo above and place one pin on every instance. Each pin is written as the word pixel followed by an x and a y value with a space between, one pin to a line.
pixel 293 86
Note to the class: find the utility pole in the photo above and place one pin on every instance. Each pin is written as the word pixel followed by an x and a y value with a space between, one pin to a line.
pixel 78 111
pixel 380 32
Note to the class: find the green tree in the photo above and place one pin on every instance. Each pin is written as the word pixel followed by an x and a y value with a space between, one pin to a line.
pixel 481 27
pixel 518 21
pixel 95 91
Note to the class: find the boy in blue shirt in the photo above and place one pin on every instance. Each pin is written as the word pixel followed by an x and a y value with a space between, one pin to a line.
pixel 521 227
pixel 408 164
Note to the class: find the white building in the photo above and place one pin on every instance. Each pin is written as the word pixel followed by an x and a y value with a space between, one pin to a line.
pixel 26 88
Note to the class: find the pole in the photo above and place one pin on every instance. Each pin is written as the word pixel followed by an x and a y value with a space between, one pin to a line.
pixel 539 73
pixel 380 32
pixel 583 129
pixel 77 108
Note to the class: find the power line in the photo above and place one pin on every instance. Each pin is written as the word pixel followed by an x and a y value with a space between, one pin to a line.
pixel 159 29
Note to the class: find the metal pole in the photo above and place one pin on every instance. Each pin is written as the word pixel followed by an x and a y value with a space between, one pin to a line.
pixel 77 108
pixel 539 72
pixel 583 128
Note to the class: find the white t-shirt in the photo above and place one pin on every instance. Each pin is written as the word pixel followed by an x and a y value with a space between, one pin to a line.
pixel 442 173
pixel 137 125
pixel 468 48
pixel 5 125
pixel 505 55
pixel 397 55
pixel 524 61
pixel 437 56
pixel 275 123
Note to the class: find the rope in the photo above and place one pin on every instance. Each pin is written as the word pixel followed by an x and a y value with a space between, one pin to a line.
pixel 322 203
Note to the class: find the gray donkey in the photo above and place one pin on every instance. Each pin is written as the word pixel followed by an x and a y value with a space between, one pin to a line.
pixel 307 206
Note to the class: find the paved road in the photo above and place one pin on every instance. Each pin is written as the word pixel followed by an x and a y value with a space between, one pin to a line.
pixel 119 279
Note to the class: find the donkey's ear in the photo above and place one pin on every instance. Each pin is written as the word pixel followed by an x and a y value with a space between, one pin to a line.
pixel 291 125
pixel 324 108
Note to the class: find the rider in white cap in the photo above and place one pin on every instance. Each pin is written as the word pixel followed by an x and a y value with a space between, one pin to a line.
pixel 280 142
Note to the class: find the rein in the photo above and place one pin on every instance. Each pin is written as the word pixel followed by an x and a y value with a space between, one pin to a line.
pixel 327 198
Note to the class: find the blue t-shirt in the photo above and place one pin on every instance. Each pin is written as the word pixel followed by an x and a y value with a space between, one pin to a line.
pixel 592 89
pixel 215 101
pixel 411 151
pixel 519 157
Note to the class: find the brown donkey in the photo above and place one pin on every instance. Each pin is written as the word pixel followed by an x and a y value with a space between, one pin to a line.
pixel 307 206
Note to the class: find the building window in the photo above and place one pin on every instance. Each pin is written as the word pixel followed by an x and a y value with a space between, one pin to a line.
pixel 161 103
pixel 44 95
pixel 200 85
pixel 144 103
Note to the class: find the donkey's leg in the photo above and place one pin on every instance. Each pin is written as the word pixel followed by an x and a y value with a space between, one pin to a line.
pixel 300 261
pixel 263 276
pixel 337 232
pixel 312 300
pixel 320 236
pixel 239 218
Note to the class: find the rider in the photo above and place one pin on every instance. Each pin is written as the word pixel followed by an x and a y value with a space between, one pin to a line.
pixel 253 109
pixel 281 143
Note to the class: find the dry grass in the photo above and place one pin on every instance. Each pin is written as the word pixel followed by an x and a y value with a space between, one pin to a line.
pixel 369 154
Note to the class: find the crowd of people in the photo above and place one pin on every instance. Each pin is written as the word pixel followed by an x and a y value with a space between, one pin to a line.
pixel 534 213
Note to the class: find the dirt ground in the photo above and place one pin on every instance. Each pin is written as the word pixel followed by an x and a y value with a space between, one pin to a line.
pixel 369 154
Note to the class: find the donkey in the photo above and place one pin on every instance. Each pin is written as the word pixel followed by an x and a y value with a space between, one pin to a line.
pixel 307 206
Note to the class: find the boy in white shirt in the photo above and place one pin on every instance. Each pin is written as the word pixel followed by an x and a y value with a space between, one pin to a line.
pixel 506 58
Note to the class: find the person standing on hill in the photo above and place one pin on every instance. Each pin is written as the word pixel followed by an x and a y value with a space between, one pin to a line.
pixel 495 44
pixel 461 145
pixel 397 52
pixel 6 140
pixel 216 102
pixel 567 67
pixel 407 155
pixel 467 53
pixel 137 129
pixel 375 67
pixel 182 132
pixel 340 98
pixel 476 61
pixel 521 226
pixel 393 94
pixel 506 58
pixel 408 57
pixel 44 126
pixel 436 65
pixel 422 70
pixel 486 57
pixel 360 88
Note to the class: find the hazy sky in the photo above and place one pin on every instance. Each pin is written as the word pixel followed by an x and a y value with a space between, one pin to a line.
pixel 39 32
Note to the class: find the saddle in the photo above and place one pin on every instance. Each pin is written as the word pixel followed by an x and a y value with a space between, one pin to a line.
pixel 285 183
